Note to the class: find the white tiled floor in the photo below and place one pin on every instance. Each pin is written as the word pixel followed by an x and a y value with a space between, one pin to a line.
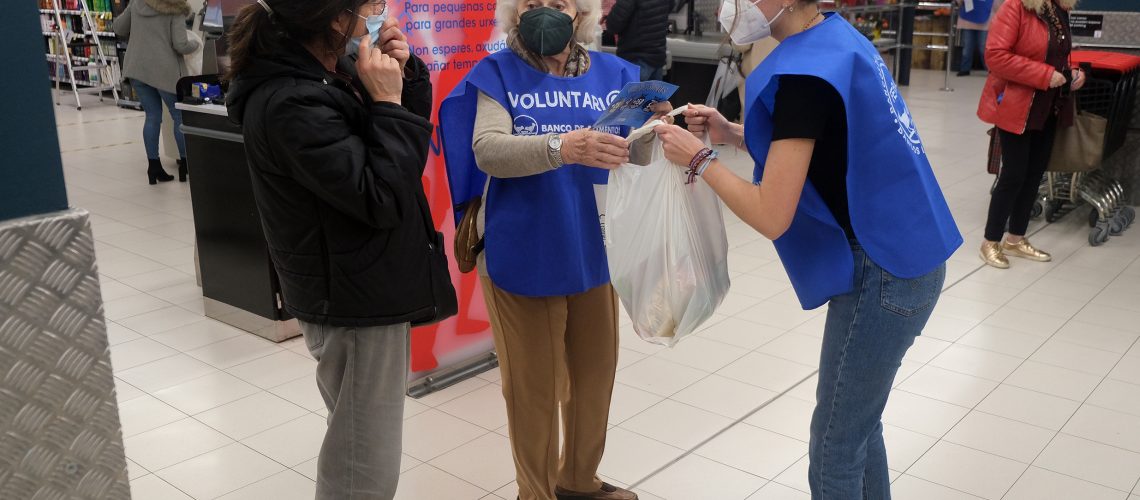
pixel 1025 385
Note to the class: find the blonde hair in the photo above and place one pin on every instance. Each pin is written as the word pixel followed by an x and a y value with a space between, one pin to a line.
pixel 1038 6
pixel 589 17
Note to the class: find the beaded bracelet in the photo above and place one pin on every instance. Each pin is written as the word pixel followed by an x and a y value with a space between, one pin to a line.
pixel 696 163
pixel 707 163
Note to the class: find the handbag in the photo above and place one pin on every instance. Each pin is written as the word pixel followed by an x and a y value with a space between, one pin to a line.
pixel 993 159
pixel 192 62
pixel 444 302
pixel 468 242
pixel 1079 148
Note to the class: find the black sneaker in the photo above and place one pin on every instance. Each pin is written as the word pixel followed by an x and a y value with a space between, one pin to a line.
pixel 607 492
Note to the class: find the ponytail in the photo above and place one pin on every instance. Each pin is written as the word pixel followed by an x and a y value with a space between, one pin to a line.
pixel 262 28
pixel 252 33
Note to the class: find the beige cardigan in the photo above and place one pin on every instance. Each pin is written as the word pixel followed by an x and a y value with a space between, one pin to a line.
pixel 501 154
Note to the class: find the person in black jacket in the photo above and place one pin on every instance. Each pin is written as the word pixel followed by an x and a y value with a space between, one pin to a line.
pixel 336 149
pixel 641 27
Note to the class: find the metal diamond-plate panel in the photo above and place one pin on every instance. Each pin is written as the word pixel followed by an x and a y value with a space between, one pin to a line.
pixel 1120 28
pixel 60 436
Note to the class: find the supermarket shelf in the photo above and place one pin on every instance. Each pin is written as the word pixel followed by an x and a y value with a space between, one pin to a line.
pixel 101 34
pixel 88 85
pixel 885 43
pixel 94 13
pixel 869 9
pixel 60 58
pixel 81 60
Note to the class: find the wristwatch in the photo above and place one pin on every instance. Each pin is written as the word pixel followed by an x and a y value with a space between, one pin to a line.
pixel 554 146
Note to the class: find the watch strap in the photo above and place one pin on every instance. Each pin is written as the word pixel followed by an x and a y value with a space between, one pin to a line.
pixel 555 154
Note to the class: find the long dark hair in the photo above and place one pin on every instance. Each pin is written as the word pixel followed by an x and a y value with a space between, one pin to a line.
pixel 257 33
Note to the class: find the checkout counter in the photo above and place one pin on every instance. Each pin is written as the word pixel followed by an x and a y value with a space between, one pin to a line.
pixel 239 284
pixel 691 63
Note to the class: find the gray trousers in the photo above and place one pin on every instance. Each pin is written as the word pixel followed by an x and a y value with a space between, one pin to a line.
pixel 362 375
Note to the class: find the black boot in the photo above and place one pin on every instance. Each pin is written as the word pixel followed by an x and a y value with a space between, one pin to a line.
pixel 182 171
pixel 155 174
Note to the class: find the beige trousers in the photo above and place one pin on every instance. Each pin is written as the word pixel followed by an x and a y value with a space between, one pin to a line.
pixel 556 353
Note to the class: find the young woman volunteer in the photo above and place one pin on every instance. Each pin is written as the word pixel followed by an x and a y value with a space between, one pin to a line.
pixel 516 135
pixel 336 149
pixel 844 189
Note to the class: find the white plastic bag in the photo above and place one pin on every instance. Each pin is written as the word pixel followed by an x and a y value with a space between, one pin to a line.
pixel 192 62
pixel 667 249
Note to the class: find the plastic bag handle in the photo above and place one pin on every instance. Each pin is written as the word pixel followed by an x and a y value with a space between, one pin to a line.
pixel 648 127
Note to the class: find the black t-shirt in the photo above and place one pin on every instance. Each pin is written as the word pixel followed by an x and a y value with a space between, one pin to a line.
pixel 808 107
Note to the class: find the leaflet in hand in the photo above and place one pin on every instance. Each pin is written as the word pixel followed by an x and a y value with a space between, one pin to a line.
pixel 633 105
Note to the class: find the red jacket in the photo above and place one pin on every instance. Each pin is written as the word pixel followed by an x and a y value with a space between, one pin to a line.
pixel 1015 54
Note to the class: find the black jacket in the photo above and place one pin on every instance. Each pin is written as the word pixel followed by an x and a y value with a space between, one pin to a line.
pixel 641 27
pixel 337 183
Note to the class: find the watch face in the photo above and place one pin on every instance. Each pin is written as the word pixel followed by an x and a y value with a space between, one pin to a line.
pixel 555 142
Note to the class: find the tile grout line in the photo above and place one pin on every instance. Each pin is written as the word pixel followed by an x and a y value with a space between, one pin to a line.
pixel 464 481
pixel 232 442
pixel 687 453
pixel 988 394
pixel 815 372
pixel 706 376
pixel 1025 360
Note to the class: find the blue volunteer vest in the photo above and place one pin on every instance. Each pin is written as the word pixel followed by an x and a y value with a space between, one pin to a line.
pixel 980 12
pixel 898 212
pixel 542 235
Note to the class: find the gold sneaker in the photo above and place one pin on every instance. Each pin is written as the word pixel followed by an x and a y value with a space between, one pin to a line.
pixel 1024 250
pixel 991 254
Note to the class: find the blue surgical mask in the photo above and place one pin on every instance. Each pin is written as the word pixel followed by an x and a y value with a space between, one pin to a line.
pixel 373 23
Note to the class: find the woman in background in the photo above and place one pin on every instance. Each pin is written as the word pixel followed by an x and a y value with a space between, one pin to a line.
pixel 1028 56
pixel 156 34
pixel 973 25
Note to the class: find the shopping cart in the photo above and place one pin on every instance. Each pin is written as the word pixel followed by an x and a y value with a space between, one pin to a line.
pixel 1109 92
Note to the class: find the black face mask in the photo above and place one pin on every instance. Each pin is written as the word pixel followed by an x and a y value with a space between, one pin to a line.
pixel 546 31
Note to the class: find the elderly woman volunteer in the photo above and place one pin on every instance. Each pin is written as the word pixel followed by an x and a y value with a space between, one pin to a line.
pixel 845 190
pixel 516 133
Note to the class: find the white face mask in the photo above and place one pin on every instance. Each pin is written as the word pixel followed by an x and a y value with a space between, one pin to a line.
pixel 751 23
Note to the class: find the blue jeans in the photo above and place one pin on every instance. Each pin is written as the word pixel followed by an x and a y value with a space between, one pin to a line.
pixel 868 331
pixel 649 72
pixel 972 41
pixel 152 100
